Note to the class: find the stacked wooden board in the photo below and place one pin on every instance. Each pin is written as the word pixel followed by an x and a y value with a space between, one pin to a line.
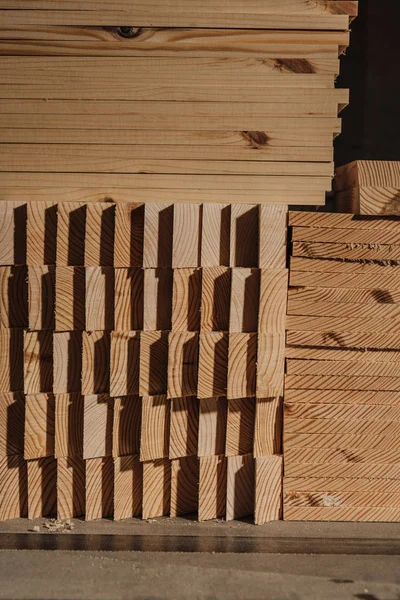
pixel 208 102
pixel 129 378
pixel 368 187
pixel 342 391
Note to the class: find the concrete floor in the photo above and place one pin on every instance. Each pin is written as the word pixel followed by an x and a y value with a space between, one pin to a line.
pixel 70 575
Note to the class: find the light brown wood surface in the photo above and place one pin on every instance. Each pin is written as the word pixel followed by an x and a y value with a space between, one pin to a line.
pixel 273 300
pixel 273 236
pixel 97 426
pixel 124 364
pixel 14 491
pixel 184 485
pixel 183 351
pixel 186 235
pixel 215 233
pixel 12 424
pixel 184 427
pixel 157 299
pixel 70 488
pixel 155 427
pixel 215 298
pixel 156 488
pixel 245 298
pixel 70 298
pixel 95 362
pixel 270 364
pixel 240 486
pixel 126 426
pixel 267 426
pixel 242 365
pixel 186 295
pixel 99 488
pixel 127 487
pixel 212 426
pixel 42 487
pixel 213 364
pixel 212 487
pixel 69 411
pixel 240 426
pixel 268 489
pixel 67 361
pixel 41 297
pixel 153 363
pixel 38 362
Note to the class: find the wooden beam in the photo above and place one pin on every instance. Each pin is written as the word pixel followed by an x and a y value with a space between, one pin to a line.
pixel 270 365
pixel 125 358
pixel 12 360
pixel 215 298
pixel 129 228
pixel 337 484
pixel 128 298
pixel 213 364
pixel 99 488
pixel 153 373
pixel 212 487
pixel 182 364
pixel 242 365
pixel 268 426
pixel 127 426
pixel 12 424
pixel 99 235
pixel 71 226
pixel 186 242
pixel 67 361
pixel 97 426
pixel 273 300
pixel 70 298
pixel 41 297
pixel 341 354
pixel 13 297
pixel 340 412
pixel 184 486
pixel 268 473
pixel 186 298
pixel 156 488
pixel 245 297
pixel 38 362
pixel 128 483
pixel 95 362
pixel 41 235
pixel 240 486
pixel 364 514
pixel 342 396
pixel 215 235
pixel 272 235
pixel 158 233
pixel 346 236
pixel 14 489
pixel 157 299
pixel 212 426
pixel 340 426
pixel 70 487
pixel 337 368
pixel 368 173
pixel 42 487
pixel 69 409
pixel 155 426
pixel 244 243
pixel 99 298
pixel 348 295
pixel 7 232
pixel 184 427
pixel 386 456
pixel 240 426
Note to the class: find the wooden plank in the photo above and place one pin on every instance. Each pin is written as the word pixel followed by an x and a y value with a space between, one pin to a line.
pixel 368 200
pixel 384 341
pixel 342 396
pixel 362 354
pixel 41 297
pixel 240 486
pixel 347 412
pixel 69 410
pixel 336 368
pixel 245 296
pixel 156 488
pixel 338 484
pixel 127 426
pixel 128 483
pixel 67 361
pixel 340 426
pixel 242 356
pixel 38 362
pixel 342 221
pixel 71 226
pixel 70 487
pixel 186 298
pixel 335 325
pixel 70 298
pixel 125 359
pixel 212 487
pixel 342 382
pixel 363 514
pixel 155 423
pixel 129 229
pixel 157 299
pixel 272 236
pixel 273 300
pixel 183 349
pixel 374 281
pixel 334 266
pixel 100 231
pixel 212 427
pixel 244 242
pixel 153 373
pixel 184 486
pixel 41 233
pixel 240 426
pixel 339 499
pixel 12 424
pixel 268 472
pixel 293 15
pixel 350 252
pixel 12 360
pixel 215 234
pixel 369 173
pixel 42 487
pixel 385 456
pixel 7 227
pixel 186 243
pixel 268 424
pixel 270 365
pixel 215 298
pixel 158 233
pixel 377 311
pixel 97 426
pixel 128 298
pixel 346 236
pixel 373 471
pixel 99 488
pixel 213 364
pixel 95 362
pixel 99 298
pixel 346 295
pixel 184 427
pixel 13 297
pixel 14 489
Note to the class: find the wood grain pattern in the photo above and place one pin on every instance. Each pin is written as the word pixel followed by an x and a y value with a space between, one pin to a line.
pixel 363 514
pixel 212 426
pixel 153 375
pixel 97 426
pixel 268 426
pixel 213 364
pixel 333 266
pixel 38 362
pixel 186 297
pixel 350 470
pixel 69 410
pixel 240 486
pixel 242 365
pixel 99 499
pixel 342 396
pixel 368 173
pixel 336 325
pixel 128 235
pixel 339 499
pixel 70 488
pixel 184 427
pixel 240 426
pixel 71 230
pixel 273 234
pixel 336 368
pixel 245 297
pixel 157 299
pixel 12 424
pixel 215 298
pixel 345 236
pixel 346 412
pixel 12 360
pixel 127 426
pixel 14 488
pixel 186 243
pixel 7 233
pixel 156 488
pixel 270 365
pixel 273 300
pixel 99 234
pixel 386 456
pixel 99 298
pixel 158 230
pixel 341 426
pixel 337 484
pixel 95 362
pixel 13 297
pixel 155 427
pixel 182 364
pixel 128 483
pixel 369 200
pixel 341 354
pixel 342 382
pixel 41 233
pixel 67 361
pixel 268 489
pixel 349 340
pixel 340 221
pixel 345 295
pixel 70 298
pixel 125 358
pixel 345 442
pixel 343 309
pixel 212 487
pixel 215 235
pixel 350 252
pixel 41 297
pixel 128 299
pixel 184 486
pixel 42 487
pixel 244 245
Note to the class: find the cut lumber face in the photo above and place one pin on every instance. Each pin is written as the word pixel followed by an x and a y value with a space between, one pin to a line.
pixel 153 363
pixel 213 364
pixel 128 483
pixel 41 234
pixel 244 244
pixel 184 486
pixel 156 488
pixel 12 424
pixel 71 229
pixel 12 360
pixel 70 487
pixel 272 236
pixel 182 361
pixel 368 173
pixel 70 298
pixel 186 298
pixel 41 297
pixel 157 299
pixel 212 487
pixel 14 488
pixel 245 295
pixel 69 413
pixel 240 427
pixel 13 297
pixel 8 231
pixel 273 300
pixel 97 426
pixel 67 361
pixel 158 228
pixel 127 426
pixel 128 236
pixel 99 298
pixel 240 486
pixel 38 362
pixel 212 426
pixel 99 499
pixel 42 487
pixel 186 246
pixel 268 489
pixel 99 235
pixel 95 362
pixel 125 357
pixel 270 365
pixel 242 365
pixel 267 426
pixel 154 439
pixel 184 427
pixel 128 299
pixel 215 236
pixel 215 298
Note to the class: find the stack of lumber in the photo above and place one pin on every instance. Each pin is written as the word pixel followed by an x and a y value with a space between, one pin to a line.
pixel 129 379
pixel 368 187
pixel 209 102
pixel 342 391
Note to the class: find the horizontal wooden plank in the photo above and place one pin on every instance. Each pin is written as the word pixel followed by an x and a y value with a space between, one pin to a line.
pixel 342 396
pixel 343 309
pixel 346 236
pixel 386 456
pixel 341 426
pixel 317 265
pixel 343 221
pixel 340 354
pixel 347 251
pixel 368 200
pixel 340 442
pixel 338 484
pixel 339 499
pixel 368 173
pixel 318 382
pixel 373 297
pixel 335 325
pixel 142 41
pixel 346 412
pixel 361 514
pixel 252 145
pixel 382 281
pixel 42 158
pixel 348 368
pixel 371 470
pixel 386 341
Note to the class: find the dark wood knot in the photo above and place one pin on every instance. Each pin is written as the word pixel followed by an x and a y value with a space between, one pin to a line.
pixel 129 32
